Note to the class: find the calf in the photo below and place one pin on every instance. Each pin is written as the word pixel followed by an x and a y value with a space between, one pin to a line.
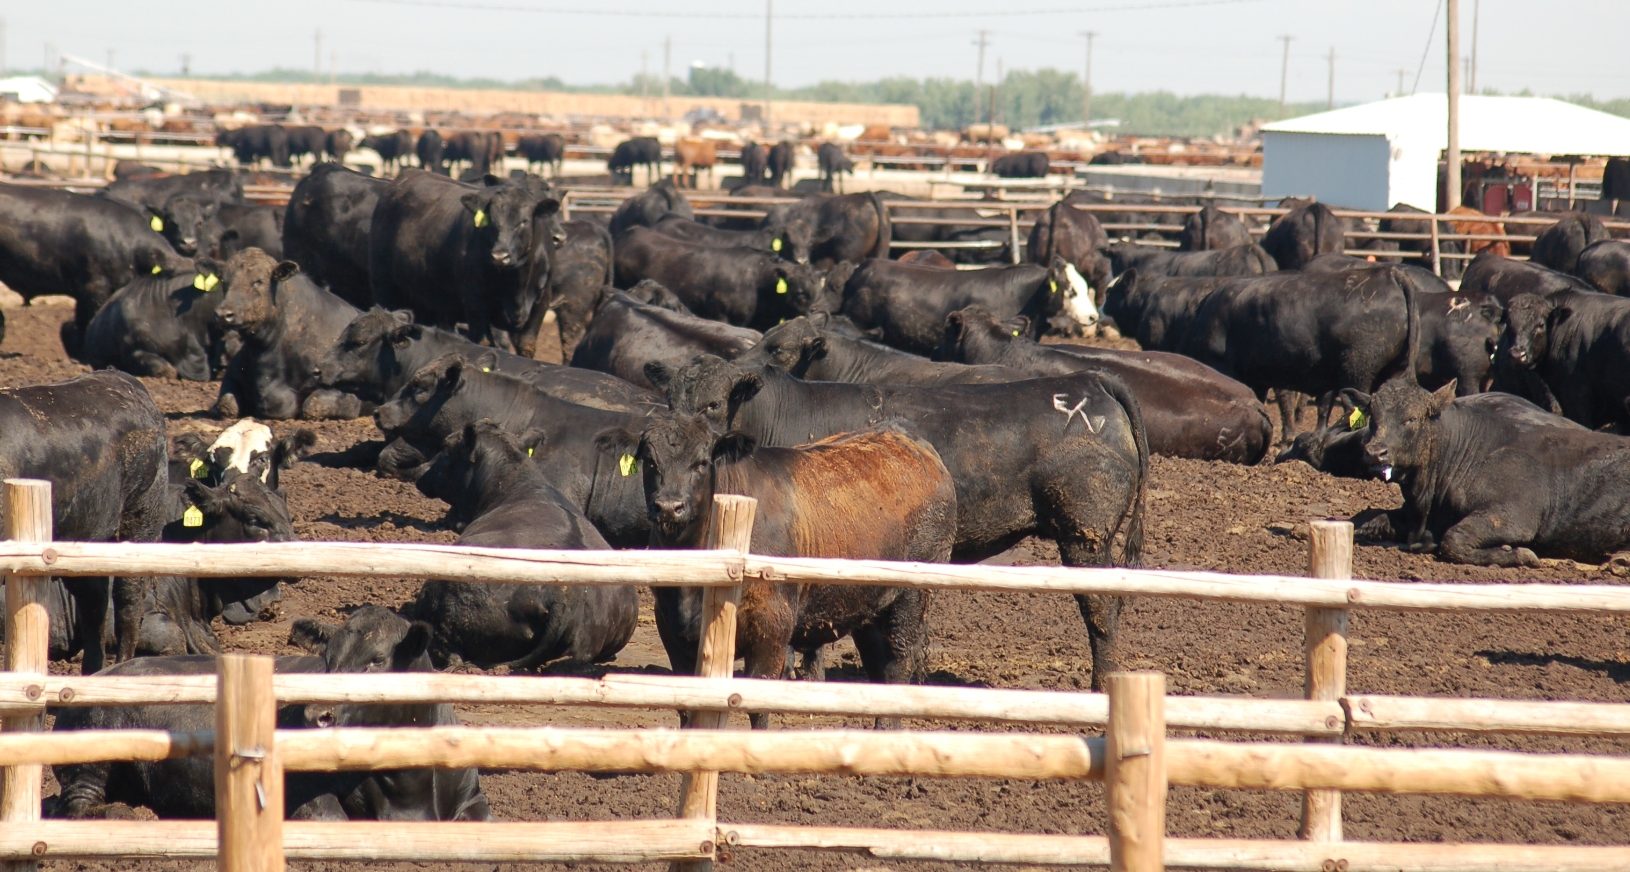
pixel 1336 448
pixel 286 323
pixel 691 156
pixel 1241 260
pixel 1305 232
pixel 1080 485
pixel 1606 266
pixel 627 334
pixel 1577 343
pixel 1212 229
pixel 1493 480
pixel 875 494
pixel 326 226
pixel 909 303
pixel 740 286
pixel 490 482
pixel 160 326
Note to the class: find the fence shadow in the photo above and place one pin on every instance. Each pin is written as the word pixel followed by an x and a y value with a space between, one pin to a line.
pixel 1618 671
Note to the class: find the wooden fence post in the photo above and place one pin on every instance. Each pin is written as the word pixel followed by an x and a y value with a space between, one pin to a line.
pixel 28 640
pixel 729 527
pixel 1135 771
pixel 1013 235
pixel 1330 555
pixel 248 773
pixel 1437 246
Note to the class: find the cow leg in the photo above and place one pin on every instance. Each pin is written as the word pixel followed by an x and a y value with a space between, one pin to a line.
pixel 329 404
pixel 1288 402
pixel 1488 540
pixel 91 598
pixel 278 402
pixel 129 601
pixel 1327 401
pixel 149 364
pixel 84 790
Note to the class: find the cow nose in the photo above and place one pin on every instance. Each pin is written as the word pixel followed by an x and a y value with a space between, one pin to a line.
pixel 324 718
pixel 672 510
pixel 1520 355
pixel 501 257
pixel 558 239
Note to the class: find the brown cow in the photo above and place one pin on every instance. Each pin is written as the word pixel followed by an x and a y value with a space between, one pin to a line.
pixel 1479 224
pixel 692 156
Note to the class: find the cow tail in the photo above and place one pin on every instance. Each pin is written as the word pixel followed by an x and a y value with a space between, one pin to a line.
pixel 1052 232
pixel 611 255
pixel 1131 526
pixel 885 229
pixel 1412 322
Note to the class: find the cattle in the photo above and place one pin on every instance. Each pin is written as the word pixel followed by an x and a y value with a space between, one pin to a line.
pixel 1493 480
pixel 754 163
pixel 771 238
pixel 909 303
pixel 876 494
pixel 827 230
pixel 305 140
pixel 833 163
pixel 187 223
pixel 337 144
pixel 802 348
pixel 1336 448
pixel 257 142
pixel 1474 223
pixel 1077 482
pixel 1067 232
pixel 286 323
pixel 151 192
pixel 1154 309
pixel 627 333
pixel 58 242
pixel 1616 180
pixel 741 286
pixel 1189 409
pixel 1606 266
pixel 240 226
pixel 160 326
pixel 1452 268
pixel 691 156
pixel 1559 245
pixel 778 163
pixel 1303 233
pixel 648 207
pixel 380 350
pixel 1505 279
pixel 1212 229
pixel 1241 260
pixel 640 151
pixel 326 229
pixel 583 268
pixel 543 149
pixel 45 433
pixel 371 640
pixel 504 501
pixel 1578 345
pixel 457 253
pixel 431 151
pixel 1021 165
pixel 928 257
pixel 391 147
pixel 482 151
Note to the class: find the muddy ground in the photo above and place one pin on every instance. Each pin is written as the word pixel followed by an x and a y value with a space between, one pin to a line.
pixel 1201 516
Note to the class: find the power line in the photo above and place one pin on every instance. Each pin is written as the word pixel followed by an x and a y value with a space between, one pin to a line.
pixel 1431 32
pixel 494 6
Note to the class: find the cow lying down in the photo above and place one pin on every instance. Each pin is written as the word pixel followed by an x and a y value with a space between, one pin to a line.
pixel 1493 480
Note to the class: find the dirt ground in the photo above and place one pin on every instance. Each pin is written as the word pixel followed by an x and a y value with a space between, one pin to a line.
pixel 1201 516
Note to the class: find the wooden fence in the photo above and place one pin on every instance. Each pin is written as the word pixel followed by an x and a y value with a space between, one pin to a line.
pixel 1134 757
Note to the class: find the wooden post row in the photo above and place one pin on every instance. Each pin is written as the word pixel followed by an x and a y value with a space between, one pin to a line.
pixel 1330 555
pixel 28 639
pixel 729 527
pixel 248 772
pixel 1135 771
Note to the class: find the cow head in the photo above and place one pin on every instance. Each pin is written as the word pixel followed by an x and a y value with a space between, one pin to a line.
pixel 676 455
pixel 419 401
pixel 1068 293
pixel 240 509
pixel 472 458
pixel 795 229
pixel 1529 319
pixel 365 358
pixel 790 289
pixel 654 293
pixel 373 639
pixel 512 217
pixel 974 335
pixel 250 279
pixel 185 222
pixel 790 347
pixel 1403 421
pixel 708 386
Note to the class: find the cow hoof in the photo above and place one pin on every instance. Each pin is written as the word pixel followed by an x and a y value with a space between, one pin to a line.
pixel 1526 557
pixel 1618 564
pixel 226 406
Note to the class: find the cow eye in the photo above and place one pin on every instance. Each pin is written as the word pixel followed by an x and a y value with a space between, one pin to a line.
pixel 711 407
pixel 699 466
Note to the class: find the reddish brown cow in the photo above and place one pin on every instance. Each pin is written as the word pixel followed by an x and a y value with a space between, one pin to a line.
pixel 1479 224
pixel 692 156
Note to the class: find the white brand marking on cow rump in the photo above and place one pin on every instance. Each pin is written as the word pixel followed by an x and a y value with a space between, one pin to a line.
pixel 1061 403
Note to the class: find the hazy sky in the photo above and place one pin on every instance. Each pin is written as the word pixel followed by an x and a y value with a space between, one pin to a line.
pixel 1186 46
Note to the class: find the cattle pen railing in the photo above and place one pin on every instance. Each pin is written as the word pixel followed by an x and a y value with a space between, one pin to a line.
pixel 1133 757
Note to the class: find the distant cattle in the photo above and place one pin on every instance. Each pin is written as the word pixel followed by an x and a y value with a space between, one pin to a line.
pixel 337 144
pixel 256 142
pixel 778 163
pixel 391 147
pixel 431 151
pixel 1021 165
pixel 833 164
pixel 640 151
pixel 304 140
pixel 543 150
pixel 754 163
pixel 1210 229
pixel 691 157
pixel 1303 233
pixel 1559 245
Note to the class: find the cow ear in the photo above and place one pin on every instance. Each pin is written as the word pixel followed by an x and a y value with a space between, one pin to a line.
pixel 415 642
pixel 200 495
pixel 746 387
pixel 286 451
pixel 533 440
pixel 1441 398
pixel 659 374
pixel 1018 325
pixel 815 347
pixel 492 181
pixel 189 446
pixel 311 635
pixel 402 334
pixel 546 207
pixel 733 446
pixel 471 202
pixel 486 361
pixel 618 441
pixel 284 271
pixel 1558 315
pixel 206 266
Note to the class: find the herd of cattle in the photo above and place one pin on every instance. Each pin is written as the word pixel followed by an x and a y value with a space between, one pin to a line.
pixel 876 408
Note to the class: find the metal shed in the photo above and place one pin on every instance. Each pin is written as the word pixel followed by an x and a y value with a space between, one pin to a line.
pixel 1374 155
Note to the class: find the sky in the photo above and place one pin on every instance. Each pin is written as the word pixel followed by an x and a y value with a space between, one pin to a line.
pixel 1183 46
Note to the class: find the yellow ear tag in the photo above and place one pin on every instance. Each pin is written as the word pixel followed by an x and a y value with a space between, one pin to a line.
pixel 781 286
pixel 1052 285
pixel 626 465
pixel 775 244
pixel 157 269
pixel 480 217
pixel 1015 333
pixel 205 282
pixel 192 517
pixel 157 224
pixel 196 468
pixel 529 450
pixel 486 369
pixel 1357 420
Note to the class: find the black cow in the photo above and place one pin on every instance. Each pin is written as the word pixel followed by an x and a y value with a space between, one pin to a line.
pixel 380 350
pixel 1453 267
pixel 305 139
pixel 628 333
pixel 286 323
pixel 1505 279
pixel 431 151
pixel 326 229
pixel 1558 246
pixel 778 163
pixel 1154 309
pixel 457 253
pixel 239 226
pixel 584 267
pixel 1241 260
pixel 57 242
pixel 1067 232
pixel 256 142
pixel 1492 479
pixel 1212 229
pixel 1606 265
pixel 802 348
pixel 159 326
pixel 1578 344
pixel 650 206
pixel 504 502
pixel 188 224
pixel 754 163
pixel 1303 233
pixel 483 151
pixel 809 496
pixel 833 163
pixel 1189 409
pixel 391 147
pixel 337 144
pixel 909 303
pixel 1021 165
pixel 153 191
pixel 830 229
pixel 741 286
pixel 771 237
pixel 1336 448
pixel 543 149
pixel 641 150
pixel 100 440
pixel 1079 484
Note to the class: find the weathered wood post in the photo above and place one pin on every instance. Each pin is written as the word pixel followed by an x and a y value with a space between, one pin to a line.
pixel 248 773
pixel 1330 555
pixel 1437 246
pixel 1135 771
pixel 1013 234
pixel 730 527
pixel 28 640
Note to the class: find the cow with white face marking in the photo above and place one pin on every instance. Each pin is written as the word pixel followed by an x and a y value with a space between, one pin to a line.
pixel 909 303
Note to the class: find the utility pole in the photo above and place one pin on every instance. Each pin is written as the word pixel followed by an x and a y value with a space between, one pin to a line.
pixel 667 58
pixel 1330 94
pixel 1284 69
pixel 645 81
pixel 979 76
pixel 1401 73
pixel 1452 154
pixel 2 46
pixel 317 54
pixel 186 64
pixel 1086 82
pixel 769 22
pixel 1471 62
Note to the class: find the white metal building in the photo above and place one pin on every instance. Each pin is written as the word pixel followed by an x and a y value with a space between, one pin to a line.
pixel 1377 154
pixel 27 89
